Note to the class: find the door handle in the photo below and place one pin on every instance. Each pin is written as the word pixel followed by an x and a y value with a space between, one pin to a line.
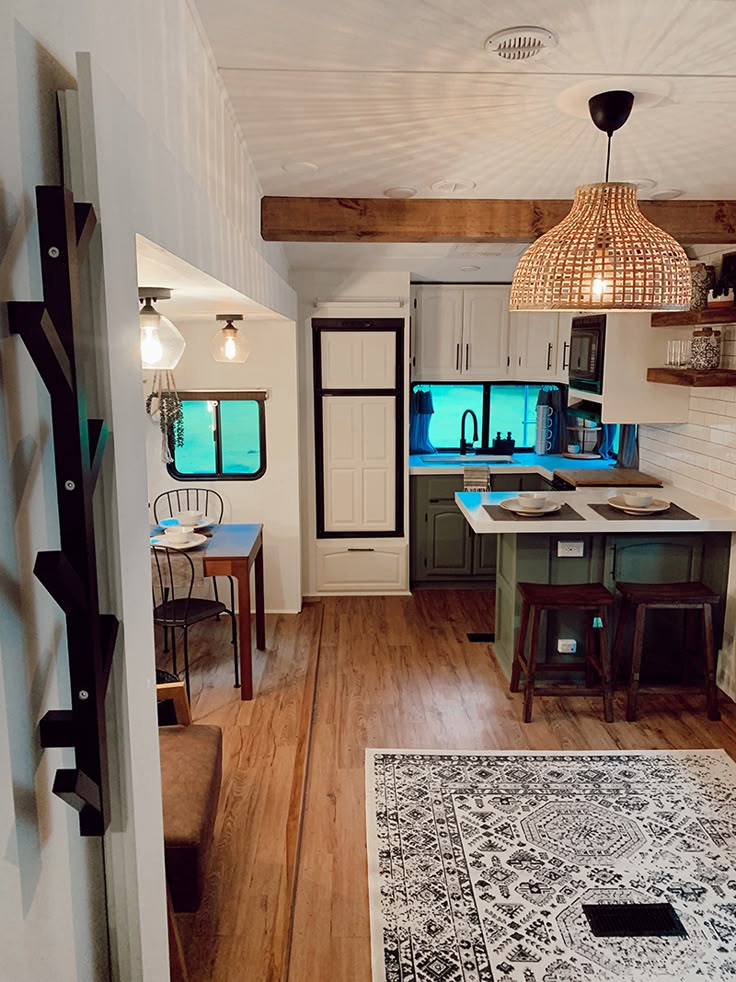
pixel 457 357
pixel 355 549
pixel 549 356
pixel 467 357
pixel 565 359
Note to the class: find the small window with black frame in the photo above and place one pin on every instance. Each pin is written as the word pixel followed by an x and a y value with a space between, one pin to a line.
pixel 224 437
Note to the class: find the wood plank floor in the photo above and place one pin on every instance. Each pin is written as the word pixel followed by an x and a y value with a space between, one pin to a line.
pixel 393 672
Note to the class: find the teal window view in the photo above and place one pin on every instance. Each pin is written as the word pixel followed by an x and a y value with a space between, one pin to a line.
pixel 498 407
pixel 224 439
pixel 449 403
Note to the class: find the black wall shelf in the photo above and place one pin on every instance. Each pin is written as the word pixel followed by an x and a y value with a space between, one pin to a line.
pixel 50 331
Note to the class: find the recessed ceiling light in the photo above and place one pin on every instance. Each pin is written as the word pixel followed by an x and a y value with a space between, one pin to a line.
pixel 400 192
pixel 521 43
pixel 666 194
pixel 450 186
pixel 642 183
pixel 469 269
pixel 299 167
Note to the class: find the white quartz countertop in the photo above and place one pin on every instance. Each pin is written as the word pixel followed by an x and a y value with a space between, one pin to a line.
pixel 711 515
pixel 524 463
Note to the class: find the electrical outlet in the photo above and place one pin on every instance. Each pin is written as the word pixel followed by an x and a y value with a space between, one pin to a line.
pixel 571 548
pixel 567 646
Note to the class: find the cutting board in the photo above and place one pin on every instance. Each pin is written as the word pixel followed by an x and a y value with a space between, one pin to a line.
pixel 604 477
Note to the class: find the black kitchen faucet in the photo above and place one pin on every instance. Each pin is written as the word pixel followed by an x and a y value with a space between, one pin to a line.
pixel 464 445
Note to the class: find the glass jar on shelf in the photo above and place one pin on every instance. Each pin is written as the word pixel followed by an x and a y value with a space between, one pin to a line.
pixel 705 350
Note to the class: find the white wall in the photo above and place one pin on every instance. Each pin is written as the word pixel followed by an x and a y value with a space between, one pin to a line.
pixel 325 285
pixel 164 158
pixel 700 456
pixel 273 499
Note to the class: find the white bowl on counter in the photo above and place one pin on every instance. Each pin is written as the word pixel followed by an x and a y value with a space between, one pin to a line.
pixel 637 499
pixel 532 500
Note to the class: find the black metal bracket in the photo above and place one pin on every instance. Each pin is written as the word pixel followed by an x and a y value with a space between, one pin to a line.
pixel 50 332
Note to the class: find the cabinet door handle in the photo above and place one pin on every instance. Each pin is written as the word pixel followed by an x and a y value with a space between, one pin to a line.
pixel 457 357
pixel 565 359
pixel 549 356
pixel 356 549
pixel 467 357
pixel 519 361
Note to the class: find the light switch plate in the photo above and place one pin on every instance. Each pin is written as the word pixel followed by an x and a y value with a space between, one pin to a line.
pixel 571 548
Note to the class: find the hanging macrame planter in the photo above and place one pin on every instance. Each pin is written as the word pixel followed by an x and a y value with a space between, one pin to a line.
pixel 164 406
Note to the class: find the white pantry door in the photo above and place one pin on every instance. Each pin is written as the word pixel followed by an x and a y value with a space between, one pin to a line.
pixel 359 463
pixel 358 359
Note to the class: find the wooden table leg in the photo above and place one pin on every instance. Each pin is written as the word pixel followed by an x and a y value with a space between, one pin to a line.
pixel 260 603
pixel 242 573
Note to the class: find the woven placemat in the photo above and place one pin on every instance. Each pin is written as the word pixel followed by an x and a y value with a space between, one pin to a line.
pixel 565 514
pixel 673 514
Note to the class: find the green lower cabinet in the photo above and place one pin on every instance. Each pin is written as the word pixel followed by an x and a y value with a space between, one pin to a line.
pixel 444 549
pixel 449 548
pixel 485 551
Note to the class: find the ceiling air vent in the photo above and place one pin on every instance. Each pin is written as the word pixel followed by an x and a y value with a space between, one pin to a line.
pixel 521 43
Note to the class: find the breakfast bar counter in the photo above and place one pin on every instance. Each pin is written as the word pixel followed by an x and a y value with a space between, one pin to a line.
pixel 688 542
pixel 708 516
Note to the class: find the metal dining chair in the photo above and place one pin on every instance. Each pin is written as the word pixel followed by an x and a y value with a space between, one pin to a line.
pixel 209 502
pixel 174 607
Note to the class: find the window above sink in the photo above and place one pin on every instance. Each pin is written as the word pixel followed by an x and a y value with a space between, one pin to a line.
pixel 498 406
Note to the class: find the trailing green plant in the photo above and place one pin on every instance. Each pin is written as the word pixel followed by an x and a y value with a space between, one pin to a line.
pixel 163 404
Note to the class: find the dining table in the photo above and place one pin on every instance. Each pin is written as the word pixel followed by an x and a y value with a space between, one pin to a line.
pixel 235 550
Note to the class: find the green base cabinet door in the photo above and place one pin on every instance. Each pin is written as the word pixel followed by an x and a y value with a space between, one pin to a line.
pixel 448 550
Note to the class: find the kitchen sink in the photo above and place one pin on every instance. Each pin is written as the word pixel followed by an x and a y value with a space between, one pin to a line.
pixel 442 458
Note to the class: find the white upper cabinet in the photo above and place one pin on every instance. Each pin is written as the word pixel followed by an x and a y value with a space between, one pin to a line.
pixel 438 330
pixel 461 332
pixel 533 346
pixel 485 342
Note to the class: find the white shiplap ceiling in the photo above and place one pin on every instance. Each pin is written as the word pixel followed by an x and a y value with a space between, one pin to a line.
pixel 383 93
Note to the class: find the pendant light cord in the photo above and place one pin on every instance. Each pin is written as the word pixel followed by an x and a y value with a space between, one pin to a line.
pixel 608 155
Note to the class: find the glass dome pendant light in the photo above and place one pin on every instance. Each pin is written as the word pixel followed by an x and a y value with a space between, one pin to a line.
pixel 228 345
pixel 161 343
pixel 605 255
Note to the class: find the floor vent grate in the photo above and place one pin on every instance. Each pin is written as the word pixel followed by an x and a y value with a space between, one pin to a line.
pixel 481 638
pixel 634 921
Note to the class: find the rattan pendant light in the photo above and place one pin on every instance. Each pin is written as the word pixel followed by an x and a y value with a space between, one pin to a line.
pixel 605 255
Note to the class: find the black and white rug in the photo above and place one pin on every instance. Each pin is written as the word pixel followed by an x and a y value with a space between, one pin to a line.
pixel 479 864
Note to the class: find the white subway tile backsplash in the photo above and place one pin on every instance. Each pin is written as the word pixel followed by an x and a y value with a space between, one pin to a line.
pixel 700 455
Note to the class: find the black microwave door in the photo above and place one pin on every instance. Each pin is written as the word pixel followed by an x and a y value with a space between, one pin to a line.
pixel 583 354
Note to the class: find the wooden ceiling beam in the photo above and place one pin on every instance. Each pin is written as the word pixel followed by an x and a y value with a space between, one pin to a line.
pixel 469 220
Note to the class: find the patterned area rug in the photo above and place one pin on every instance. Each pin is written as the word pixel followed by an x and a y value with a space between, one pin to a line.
pixel 479 864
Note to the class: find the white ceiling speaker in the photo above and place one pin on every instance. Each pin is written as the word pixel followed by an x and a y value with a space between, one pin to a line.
pixel 400 192
pixel 521 43
pixel 448 186
pixel 666 194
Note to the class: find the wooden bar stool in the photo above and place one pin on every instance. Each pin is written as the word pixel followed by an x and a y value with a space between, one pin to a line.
pixel 539 597
pixel 641 597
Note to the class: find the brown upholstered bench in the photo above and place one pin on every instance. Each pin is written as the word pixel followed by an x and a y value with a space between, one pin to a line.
pixel 191 774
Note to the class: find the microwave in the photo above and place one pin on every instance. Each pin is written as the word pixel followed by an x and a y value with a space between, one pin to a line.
pixel 587 345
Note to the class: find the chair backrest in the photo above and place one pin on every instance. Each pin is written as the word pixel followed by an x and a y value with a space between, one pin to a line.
pixel 168 503
pixel 172 576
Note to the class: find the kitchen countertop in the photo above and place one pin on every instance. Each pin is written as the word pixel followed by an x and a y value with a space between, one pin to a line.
pixel 713 516
pixel 524 463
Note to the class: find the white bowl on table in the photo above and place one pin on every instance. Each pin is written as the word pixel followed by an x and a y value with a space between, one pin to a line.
pixel 190 519
pixel 532 500
pixel 637 499
pixel 178 535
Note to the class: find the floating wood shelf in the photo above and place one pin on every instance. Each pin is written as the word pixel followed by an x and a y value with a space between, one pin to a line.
pixel 692 377
pixel 695 318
